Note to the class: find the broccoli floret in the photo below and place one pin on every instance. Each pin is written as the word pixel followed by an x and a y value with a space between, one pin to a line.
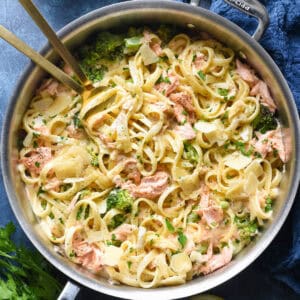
pixel 105 47
pixel 116 221
pixel 265 120
pixel 132 44
pixel 247 229
pixel 190 153
pixel 119 199
pixel 110 46
pixel 94 73
pixel 166 32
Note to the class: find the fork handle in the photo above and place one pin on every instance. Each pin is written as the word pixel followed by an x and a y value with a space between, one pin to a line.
pixel 40 60
pixel 54 40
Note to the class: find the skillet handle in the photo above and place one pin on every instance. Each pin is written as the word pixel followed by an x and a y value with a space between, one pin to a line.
pixel 255 9
pixel 69 292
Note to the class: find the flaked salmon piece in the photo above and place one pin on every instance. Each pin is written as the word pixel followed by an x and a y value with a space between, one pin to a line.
pixel 183 106
pixel 246 72
pixel 53 184
pixel 212 214
pixel 199 61
pixel 186 131
pixel 133 172
pixel 168 87
pixel 156 48
pixel 217 261
pixel 50 86
pixel 179 113
pixel 42 129
pixel 154 45
pixel 267 142
pixel 262 90
pixel 150 187
pixel 204 194
pixel 37 159
pixel 88 255
pixel 122 232
pixel 75 132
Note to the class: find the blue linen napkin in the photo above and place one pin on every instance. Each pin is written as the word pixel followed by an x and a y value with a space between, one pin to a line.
pixel 279 266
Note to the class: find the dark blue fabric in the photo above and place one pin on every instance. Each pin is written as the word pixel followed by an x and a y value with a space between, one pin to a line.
pixel 276 273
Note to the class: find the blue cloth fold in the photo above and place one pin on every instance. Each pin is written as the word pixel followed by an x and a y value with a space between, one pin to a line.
pixel 276 273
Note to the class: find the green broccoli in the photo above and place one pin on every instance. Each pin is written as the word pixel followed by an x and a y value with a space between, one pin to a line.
pixel 132 44
pixel 116 221
pixel 265 120
pixel 94 73
pixel 119 199
pixel 247 228
pixel 190 153
pixel 105 47
pixel 166 32
pixel 110 46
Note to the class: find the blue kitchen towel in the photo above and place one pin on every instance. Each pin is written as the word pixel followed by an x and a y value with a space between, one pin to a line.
pixel 281 261
pixel 282 41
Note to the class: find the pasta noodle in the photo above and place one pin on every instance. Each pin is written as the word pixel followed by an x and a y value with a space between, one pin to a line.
pixel 161 175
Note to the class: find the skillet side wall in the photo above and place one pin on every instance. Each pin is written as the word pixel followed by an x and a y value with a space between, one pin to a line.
pixel 148 12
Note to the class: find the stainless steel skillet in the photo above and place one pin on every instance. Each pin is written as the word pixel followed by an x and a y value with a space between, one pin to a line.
pixel 138 13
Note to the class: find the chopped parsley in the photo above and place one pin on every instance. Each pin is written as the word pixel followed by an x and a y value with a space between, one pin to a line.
pixel 169 226
pixel 223 92
pixel 79 213
pixel 182 239
pixel 129 263
pixel 242 147
pixel 202 75
pixel 163 79
pixel 37 164
pixel 51 215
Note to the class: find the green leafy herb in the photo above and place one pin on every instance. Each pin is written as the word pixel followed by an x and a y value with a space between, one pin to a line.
pixel 269 204
pixel 37 164
pixel 77 122
pixel 87 212
pixel 40 191
pixel 247 228
pixel 51 215
pixel 190 153
pixel 182 239
pixel 201 75
pixel 129 263
pixel 163 79
pixel 223 92
pixel 24 274
pixel 264 121
pixel 242 147
pixel 79 213
pixel 35 144
pixel 169 226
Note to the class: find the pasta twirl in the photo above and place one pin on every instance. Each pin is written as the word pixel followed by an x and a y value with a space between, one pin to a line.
pixel 165 173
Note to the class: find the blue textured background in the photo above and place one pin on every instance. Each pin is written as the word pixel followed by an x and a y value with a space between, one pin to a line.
pixel 276 274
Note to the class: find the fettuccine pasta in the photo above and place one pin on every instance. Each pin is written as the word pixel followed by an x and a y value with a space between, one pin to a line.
pixel 166 172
